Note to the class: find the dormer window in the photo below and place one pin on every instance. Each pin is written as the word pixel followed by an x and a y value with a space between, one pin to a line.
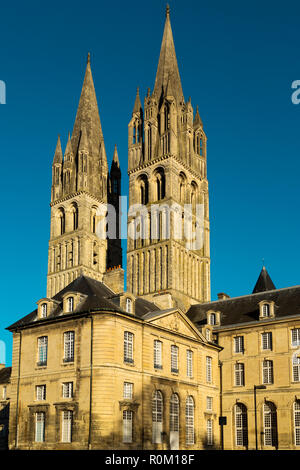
pixel 70 304
pixel 266 309
pixel 44 308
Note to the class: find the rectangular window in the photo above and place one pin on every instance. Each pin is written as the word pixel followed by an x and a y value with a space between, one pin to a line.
pixel 4 392
pixel 296 369
pixel 40 392
pixel 174 359
pixel 128 390
pixel 189 363
pixel 69 346
pixel 127 426
pixel 239 344
pixel 266 340
pixel 128 347
pixel 296 337
pixel 66 429
pixel 239 375
pixel 42 350
pixel 40 427
pixel 209 432
pixel 67 389
pixel 209 403
pixel 267 372
pixel 208 369
pixel 157 354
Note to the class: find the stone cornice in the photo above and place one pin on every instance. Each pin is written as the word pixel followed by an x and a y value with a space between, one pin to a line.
pixel 78 193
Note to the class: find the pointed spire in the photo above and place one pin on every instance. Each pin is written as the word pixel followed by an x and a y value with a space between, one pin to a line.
pixel 198 121
pixel 137 104
pixel 69 148
pixel 58 155
pixel 88 114
pixel 115 160
pixel 264 282
pixel 167 64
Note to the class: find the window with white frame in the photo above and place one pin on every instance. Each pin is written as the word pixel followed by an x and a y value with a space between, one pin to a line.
pixel 127 426
pixel 212 319
pixel 4 392
pixel 40 392
pixel 297 422
pixel 42 350
pixel 270 424
pixel 128 305
pixel 239 344
pixel 69 338
pixel 128 347
pixel 66 428
pixel 296 369
pixel 239 375
pixel 40 426
pixel 207 334
pixel 241 425
pixel 189 363
pixel 44 310
pixel 189 421
pixel 266 310
pixel 70 304
pixel 174 412
pixel 295 332
pixel 208 369
pixel 209 403
pixel 209 432
pixel 174 358
pixel 157 354
pixel 157 417
pixel 267 372
pixel 67 390
pixel 266 341
pixel 128 390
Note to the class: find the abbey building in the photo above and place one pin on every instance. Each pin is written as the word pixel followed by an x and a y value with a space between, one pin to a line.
pixel 156 365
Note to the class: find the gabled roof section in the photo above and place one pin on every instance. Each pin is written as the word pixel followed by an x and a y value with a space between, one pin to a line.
pixel 167 69
pixel 245 309
pixel 264 282
pixel 88 115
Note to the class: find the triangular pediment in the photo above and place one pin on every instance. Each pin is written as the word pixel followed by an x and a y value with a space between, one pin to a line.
pixel 178 322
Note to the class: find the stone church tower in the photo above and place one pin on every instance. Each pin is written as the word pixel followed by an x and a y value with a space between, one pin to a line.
pixel 167 169
pixel 81 181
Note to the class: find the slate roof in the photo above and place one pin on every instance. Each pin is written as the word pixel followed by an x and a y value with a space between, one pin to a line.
pixel 5 374
pixel 97 297
pixel 244 309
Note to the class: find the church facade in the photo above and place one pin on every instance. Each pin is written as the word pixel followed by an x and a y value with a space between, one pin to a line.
pixel 158 365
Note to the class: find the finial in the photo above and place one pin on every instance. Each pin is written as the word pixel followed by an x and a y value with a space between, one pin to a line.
pixel 89 58
pixel 148 92
pixel 167 10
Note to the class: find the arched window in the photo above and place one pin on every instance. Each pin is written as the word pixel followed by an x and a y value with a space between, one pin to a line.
pixel 157 417
pixel 74 211
pixel 182 186
pixel 174 413
pixel 270 424
pixel 194 188
pixel 62 217
pixel 128 305
pixel 144 189
pixel 189 421
pixel 93 219
pixel 241 425
pixel 160 182
pixel 297 422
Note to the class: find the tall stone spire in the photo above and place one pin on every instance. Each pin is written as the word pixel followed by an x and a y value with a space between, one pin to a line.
pixel 167 69
pixel 137 104
pixel 58 155
pixel 88 115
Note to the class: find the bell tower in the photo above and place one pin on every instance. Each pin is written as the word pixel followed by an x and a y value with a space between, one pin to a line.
pixel 81 182
pixel 168 258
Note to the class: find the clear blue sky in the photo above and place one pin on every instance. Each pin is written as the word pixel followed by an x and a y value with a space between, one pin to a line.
pixel 237 61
